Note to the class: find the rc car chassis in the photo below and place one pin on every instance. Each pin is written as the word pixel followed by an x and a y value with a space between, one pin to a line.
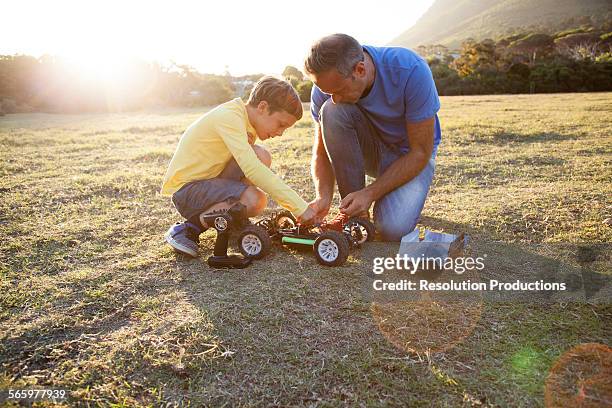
pixel 331 248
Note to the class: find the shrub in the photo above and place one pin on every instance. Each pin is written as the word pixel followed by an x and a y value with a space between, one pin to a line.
pixel 304 89
pixel 8 105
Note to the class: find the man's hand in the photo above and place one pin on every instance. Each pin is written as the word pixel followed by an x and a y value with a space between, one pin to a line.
pixel 356 203
pixel 308 217
pixel 321 208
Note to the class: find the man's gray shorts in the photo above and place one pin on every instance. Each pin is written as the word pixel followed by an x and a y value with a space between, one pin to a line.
pixel 197 196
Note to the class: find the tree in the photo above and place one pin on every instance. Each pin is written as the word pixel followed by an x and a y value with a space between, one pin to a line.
pixel 533 45
pixel 579 46
pixel 476 57
pixel 519 70
pixel 214 91
pixel 292 72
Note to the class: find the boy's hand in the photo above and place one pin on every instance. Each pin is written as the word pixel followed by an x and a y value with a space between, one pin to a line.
pixel 321 207
pixel 308 217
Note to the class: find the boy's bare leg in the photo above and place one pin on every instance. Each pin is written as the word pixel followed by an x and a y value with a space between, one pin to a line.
pixel 253 198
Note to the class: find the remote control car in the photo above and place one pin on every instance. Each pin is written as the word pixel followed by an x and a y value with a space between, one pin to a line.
pixel 330 247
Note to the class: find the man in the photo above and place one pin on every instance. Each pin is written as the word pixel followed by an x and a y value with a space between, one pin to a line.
pixel 375 110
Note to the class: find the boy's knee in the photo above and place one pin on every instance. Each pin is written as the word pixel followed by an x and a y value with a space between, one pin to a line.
pixel 255 200
pixel 263 154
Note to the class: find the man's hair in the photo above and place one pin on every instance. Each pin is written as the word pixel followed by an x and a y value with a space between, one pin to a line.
pixel 339 51
pixel 279 94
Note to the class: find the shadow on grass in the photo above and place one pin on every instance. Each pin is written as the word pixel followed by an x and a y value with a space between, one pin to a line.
pixel 496 135
pixel 287 331
pixel 299 330
pixel 504 137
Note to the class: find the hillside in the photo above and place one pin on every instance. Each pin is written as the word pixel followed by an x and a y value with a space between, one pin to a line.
pixel 449 22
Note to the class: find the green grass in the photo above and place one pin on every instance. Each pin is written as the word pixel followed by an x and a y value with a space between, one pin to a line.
pixel 92 300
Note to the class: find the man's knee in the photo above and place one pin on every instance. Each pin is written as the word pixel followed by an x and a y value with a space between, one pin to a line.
pixel 337 113
pixel 394 220
pixel 393 230
pixel 255 200
pixel 263 154
pixel 336 121
pixel 398 212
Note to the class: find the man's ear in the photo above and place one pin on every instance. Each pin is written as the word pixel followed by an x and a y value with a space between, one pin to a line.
pixel 263 107
pixel 359 69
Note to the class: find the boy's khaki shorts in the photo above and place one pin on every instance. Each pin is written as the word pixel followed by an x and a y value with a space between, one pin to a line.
pixel 197 196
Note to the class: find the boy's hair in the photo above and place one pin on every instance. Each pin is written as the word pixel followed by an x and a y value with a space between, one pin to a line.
pixel 339 51
pixel 279 94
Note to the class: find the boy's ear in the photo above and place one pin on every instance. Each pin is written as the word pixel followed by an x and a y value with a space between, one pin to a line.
pixel 263 107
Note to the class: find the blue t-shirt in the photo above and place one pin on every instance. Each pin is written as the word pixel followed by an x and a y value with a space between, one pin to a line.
pixel 403 91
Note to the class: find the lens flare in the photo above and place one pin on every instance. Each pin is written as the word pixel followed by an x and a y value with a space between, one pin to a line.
pixel 581 377
pixel 426 325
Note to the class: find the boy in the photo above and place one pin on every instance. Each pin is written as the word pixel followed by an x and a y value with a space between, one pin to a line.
pixel 217 163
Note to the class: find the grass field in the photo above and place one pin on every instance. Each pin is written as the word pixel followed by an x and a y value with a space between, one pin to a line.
pixel 92 300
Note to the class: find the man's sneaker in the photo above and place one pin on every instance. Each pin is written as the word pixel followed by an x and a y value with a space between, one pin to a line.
pixel 183 239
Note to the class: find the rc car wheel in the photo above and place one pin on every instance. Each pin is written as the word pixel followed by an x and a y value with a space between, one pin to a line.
pixel 254 242
pixel 284 219
pixel 361 230
pixel 331 248
pixel 221 222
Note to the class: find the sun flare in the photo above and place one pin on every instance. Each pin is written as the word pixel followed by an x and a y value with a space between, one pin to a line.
pixel 107 68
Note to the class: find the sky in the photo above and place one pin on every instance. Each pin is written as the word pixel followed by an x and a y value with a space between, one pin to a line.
pixel 242 37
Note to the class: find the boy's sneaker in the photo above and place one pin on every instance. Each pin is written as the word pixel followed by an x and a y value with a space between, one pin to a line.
pixel 183 239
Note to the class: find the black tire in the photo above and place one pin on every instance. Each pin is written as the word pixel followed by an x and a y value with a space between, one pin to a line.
pixel 254 242
pixel 364 229
pixel 284 219
pixel 331 248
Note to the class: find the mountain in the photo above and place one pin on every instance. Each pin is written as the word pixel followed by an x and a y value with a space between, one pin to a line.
pixel 449 22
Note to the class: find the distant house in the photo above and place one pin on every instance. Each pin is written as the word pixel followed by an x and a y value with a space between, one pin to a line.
pixel 436 52
pixel 242 85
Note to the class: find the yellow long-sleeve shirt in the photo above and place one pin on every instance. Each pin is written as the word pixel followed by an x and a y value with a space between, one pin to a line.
pixel 209 144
